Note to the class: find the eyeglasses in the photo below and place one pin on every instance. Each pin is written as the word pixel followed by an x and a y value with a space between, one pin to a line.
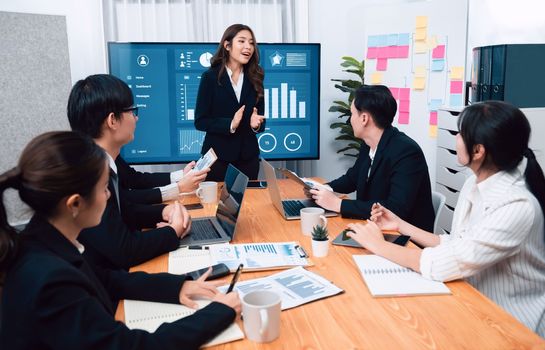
pixel 134 110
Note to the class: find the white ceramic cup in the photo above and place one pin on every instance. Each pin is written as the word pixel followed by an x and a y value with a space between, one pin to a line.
pixel 311 217
pixel 261 312
pixel 208 192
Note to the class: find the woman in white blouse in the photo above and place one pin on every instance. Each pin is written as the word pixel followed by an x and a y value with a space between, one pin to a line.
pixel 497 241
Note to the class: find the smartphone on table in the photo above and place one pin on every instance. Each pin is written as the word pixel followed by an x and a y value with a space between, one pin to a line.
pixel 218 271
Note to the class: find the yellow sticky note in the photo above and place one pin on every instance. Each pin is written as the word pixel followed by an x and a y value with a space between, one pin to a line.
pixel 456 73
pixel 420 34
pixel 419 83
pixel 421 21
pixel 433 131
pixel 420 47
pixel 376 78
pixel 432 42
pixel 420 71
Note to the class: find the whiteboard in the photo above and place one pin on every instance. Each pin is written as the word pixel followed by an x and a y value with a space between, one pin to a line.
pixel 447 22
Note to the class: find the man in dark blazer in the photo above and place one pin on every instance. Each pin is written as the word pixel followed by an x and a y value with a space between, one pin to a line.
pixel 101 106
pixel 390 169
pixel 216 106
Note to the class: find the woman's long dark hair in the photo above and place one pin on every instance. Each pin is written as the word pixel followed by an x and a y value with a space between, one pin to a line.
pixel 504 131
pixel 252 69
pixel 52 166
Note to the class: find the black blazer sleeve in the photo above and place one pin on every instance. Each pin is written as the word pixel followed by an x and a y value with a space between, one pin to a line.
pixel 348 183
pixel 113 244
pixel 68 316
pixel 132 179
pixel 205 120
pixel 142 196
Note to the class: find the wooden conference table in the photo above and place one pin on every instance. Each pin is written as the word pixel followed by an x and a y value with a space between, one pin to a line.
pixel 355 320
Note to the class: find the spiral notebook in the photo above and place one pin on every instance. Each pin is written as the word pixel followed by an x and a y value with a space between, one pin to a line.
pixel 149 316
pixel 386 279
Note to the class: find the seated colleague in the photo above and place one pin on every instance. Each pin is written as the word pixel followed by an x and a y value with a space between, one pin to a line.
pixel 497 239
pixel 390 169
pixel 52 298
pixel 139 187
pixel 100 107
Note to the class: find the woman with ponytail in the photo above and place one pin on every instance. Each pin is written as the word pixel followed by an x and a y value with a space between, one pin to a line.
pixel 51 297
pixel 497 241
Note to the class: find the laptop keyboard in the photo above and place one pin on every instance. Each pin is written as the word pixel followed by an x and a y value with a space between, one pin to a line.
pixel 292 207
pixel 203 229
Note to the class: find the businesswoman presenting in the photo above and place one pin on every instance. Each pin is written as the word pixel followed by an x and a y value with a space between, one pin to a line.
pixel 230 104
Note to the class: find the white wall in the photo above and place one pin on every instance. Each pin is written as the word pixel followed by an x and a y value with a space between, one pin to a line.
pixel 337 26
pixel 84 26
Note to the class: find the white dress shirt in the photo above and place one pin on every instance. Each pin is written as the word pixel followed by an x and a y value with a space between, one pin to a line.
pixel 497 242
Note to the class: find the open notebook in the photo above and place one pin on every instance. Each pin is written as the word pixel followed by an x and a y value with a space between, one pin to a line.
pixel 385 278
pixel 149 316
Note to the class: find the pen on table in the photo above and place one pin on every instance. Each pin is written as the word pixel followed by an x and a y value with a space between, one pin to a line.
pixel 235 278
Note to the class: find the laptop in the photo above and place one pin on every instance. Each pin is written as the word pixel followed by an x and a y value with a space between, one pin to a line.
pixel 220 228
pixel 344 240
pixel 288 208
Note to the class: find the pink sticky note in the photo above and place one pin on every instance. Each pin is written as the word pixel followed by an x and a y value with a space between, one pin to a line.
pixel 382 64
pixel 395 92
pixel 404 106
pixel 403 51
pixel 438 52
pixel 382 52
pixel 404 93
pixel 391 51
pixel 433 118
pixel 403 118
pixel 372 52
pixel 456 86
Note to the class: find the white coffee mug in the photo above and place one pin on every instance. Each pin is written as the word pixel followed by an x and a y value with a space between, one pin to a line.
pixel 311 217
pixel 261 313
pixel 207 192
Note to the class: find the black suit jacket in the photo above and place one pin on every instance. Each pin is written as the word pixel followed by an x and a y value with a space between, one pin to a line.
pixel 115 244
pixel 139 187
pixel 216 106
pixel 399 180
pixel 52 299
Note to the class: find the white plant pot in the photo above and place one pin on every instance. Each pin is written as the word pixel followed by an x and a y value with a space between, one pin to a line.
pixel 320 248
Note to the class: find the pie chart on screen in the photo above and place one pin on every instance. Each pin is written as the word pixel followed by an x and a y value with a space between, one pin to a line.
pixel 204 60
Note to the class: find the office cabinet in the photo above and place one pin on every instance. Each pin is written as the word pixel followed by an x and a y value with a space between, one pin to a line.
pixel 450 175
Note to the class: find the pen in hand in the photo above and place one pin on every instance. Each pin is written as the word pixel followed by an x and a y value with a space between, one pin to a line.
pixel 235 278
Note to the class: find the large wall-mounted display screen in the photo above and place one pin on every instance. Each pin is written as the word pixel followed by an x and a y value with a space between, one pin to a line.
pixel 164 79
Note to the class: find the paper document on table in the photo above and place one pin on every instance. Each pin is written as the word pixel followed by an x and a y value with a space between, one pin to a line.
pixel 259 256
pixel 149 316
pixel 206 160
pixel 386 278
pixel 183 260
pixel 295 286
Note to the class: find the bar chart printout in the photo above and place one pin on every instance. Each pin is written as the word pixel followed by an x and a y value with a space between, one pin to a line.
pixel 296 286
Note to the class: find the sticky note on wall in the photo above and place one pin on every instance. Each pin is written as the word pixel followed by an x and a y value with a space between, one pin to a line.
pixel 421 21
pixel 457 73
pixel 376 78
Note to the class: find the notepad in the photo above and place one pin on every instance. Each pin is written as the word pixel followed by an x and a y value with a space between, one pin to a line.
pixel 184 260
pixel 149 316
pixel 385 278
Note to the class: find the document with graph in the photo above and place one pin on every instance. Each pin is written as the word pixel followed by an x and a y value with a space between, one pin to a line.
pixel 259 256
pixel 386 279
pixel 296 286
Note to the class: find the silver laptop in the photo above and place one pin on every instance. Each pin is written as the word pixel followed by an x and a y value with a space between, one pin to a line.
pixel 222 227
pixel 288 208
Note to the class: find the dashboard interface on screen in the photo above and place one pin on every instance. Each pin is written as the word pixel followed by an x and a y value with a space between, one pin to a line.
pixel 164 79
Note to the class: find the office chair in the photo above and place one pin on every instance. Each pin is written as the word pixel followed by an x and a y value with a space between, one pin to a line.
pixel 438 201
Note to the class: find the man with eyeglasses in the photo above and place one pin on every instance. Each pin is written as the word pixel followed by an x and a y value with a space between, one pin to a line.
pixel 102 107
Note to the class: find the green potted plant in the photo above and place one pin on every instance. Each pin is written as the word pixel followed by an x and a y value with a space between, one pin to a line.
pixel 320 241
pixel 352 66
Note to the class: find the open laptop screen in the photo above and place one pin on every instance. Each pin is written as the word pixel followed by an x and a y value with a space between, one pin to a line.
pixel 232 193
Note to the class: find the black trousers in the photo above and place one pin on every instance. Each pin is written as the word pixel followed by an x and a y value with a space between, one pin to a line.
pixel 249 167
